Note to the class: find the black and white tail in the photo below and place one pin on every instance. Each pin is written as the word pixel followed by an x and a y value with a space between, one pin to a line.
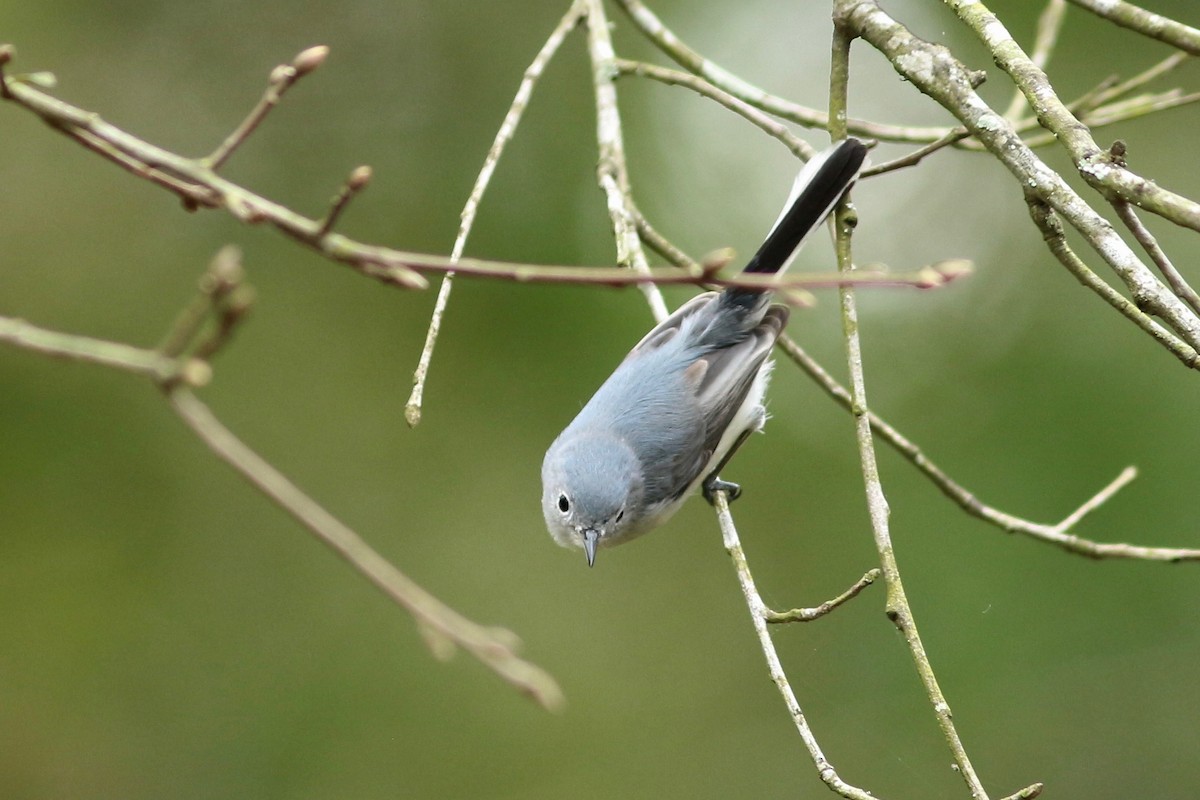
pixel 818 187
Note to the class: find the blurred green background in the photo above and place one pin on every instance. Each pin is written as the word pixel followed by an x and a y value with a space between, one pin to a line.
pixel 166 632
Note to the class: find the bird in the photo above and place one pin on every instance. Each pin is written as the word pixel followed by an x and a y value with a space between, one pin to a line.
pixel 675 410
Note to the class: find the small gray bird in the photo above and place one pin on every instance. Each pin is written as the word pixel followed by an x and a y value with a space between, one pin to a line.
pixel 673 413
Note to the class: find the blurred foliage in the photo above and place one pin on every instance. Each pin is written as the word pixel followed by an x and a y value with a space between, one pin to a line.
pixel 168 633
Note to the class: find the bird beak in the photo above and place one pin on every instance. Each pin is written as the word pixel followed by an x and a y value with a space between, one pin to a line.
pixel 590 538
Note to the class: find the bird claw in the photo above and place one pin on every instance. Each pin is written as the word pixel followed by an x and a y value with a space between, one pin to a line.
pixel 713 485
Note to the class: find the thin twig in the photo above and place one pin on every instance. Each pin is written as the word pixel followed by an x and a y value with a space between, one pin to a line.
pixel 176 373
pixel 1028 793
pixel 355 183
pixel 1139 80
pixel 281 79
pixel 224 273
pixel 934 70
pixel 193 181
pixel 759 614
pixel 1090 159
pixel 816 612
pixel 612 172
pixel 150 363
pixel 1101 497
pixel 1137 107
pixel 1055 237
pixel 1155 26
pixel 222 302
pixel 1049 25
pixel 664 39
pixel 229 310
pixel 918 155
pixel 494 647
pixel 898 608
pixel 196 183
pixel 674 77
pixel 508 128
pixel 1146 239
pixel 968 501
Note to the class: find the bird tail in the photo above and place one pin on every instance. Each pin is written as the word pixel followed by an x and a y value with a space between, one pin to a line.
pixel 818 187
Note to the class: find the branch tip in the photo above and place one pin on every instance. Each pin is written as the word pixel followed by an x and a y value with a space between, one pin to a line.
pixel 359 178
pixel 714 262
pixel 1028 793
pixel 226 269
pixel 309 60
pixel 953 268
pixel 407 278
pixel 810 614
pixel 412 414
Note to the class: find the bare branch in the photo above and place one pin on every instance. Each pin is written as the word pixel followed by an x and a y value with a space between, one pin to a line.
pixel 194 181
pixel 816 612
pixel 918 155
pixel 1100 498
pixel 898 609
pixel 1146 239
pixel 1053 534
pixel 1052 232
pixel 935 71
pixel 673 77
pixel 1097 169
pixel 508 128
pixel 1135 107
pixel 355 183
pixel 1106 94
pixel 395 267
pixel 282 78
pixel 759 614
pixel 612 172
pixel 150 363
pixel 1048 27
pixel 494 647
pixel 221 294
pixel 1155 26
pixel 663 38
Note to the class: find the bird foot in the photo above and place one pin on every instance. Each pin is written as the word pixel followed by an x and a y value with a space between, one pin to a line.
pixel 714 484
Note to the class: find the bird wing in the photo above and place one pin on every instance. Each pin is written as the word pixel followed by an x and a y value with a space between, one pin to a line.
pixel 729 372
pixel 703 379
pixel 706 393
pixel 666 330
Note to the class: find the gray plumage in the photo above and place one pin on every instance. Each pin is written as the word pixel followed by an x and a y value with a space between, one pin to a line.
pixel 683 400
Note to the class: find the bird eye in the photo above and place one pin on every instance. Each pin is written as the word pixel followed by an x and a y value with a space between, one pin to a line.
pixel 564 505
pixel 620 515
